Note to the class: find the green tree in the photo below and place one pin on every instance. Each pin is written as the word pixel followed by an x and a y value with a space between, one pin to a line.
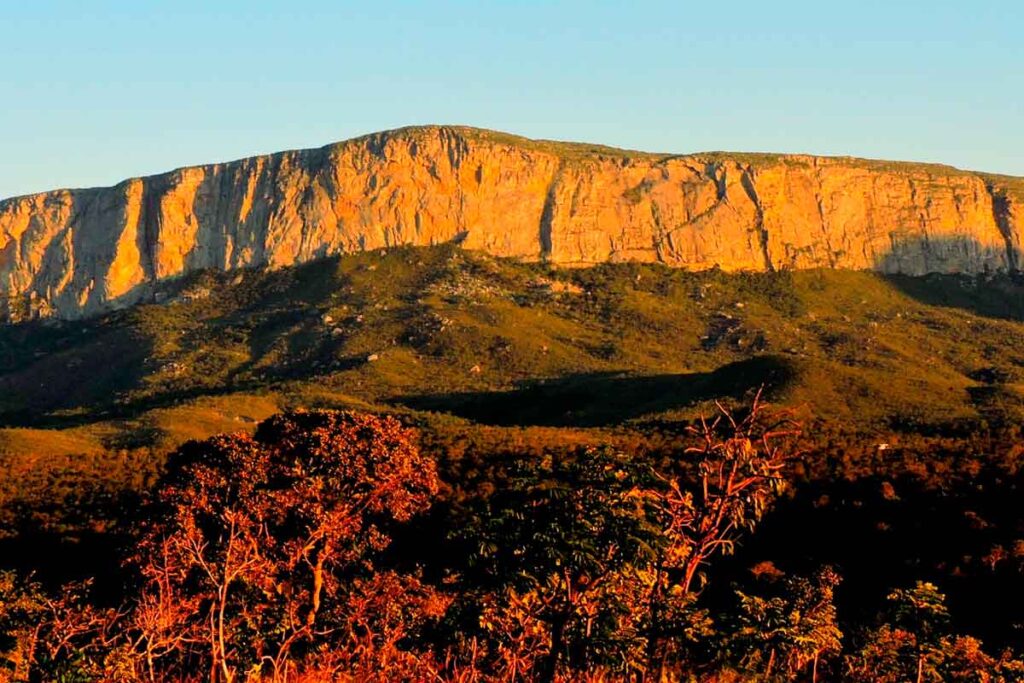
pixel 789 632
pixel 566 544
pixel 909 644
pixel 922 611
pixel 22 606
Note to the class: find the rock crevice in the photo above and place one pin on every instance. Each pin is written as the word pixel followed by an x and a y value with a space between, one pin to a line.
pixel 1002 214
pixel 762 233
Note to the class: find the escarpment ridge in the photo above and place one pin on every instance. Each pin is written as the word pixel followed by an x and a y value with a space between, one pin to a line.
pixel 76 252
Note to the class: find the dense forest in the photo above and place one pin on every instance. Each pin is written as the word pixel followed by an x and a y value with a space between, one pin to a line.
pixel 329 546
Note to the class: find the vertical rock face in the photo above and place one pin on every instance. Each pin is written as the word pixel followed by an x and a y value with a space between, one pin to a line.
pixel 76 252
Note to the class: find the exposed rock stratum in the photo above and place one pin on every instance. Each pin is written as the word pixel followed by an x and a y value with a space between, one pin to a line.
pixel 76 252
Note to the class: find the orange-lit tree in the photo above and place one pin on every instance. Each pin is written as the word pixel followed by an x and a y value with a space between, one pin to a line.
pixel 707 498
pixel 740 466
pixel 257 538
pixel 789 632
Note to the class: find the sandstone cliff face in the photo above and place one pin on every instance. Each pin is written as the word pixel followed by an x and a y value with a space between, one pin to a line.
pixel 77 252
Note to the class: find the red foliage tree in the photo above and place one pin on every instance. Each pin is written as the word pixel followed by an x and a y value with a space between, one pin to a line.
pixel 257 537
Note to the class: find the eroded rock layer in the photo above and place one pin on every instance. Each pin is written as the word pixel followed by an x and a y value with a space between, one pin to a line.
pixel 77 252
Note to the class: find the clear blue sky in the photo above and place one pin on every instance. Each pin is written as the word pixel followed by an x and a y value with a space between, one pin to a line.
pixel 93 92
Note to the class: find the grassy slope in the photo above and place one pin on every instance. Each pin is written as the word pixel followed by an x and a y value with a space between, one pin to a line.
pixel 509 343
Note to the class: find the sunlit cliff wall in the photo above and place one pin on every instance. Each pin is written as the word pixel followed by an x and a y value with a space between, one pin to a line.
pixel 76 252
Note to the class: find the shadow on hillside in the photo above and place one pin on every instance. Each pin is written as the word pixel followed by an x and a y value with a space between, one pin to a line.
pixel 77 368
pixel 599 399
pixel 212 334
pixel 998 296
pixel 58 374
pixel 993 287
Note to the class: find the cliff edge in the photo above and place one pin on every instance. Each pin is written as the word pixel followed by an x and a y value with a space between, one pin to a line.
pixel 71 253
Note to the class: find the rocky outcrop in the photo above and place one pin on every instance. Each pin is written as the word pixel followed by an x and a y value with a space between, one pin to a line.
pixel 76 252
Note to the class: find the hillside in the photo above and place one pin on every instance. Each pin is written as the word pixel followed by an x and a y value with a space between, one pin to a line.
pixel 502 342
pixel 70 253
